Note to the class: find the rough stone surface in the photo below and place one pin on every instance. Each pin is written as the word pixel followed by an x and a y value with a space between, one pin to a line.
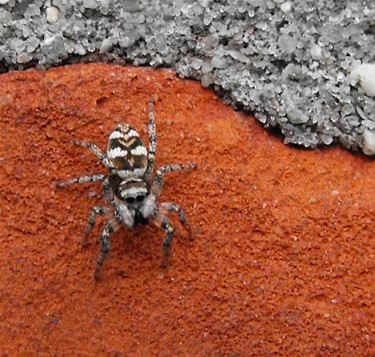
pixel 283 262
pixel 266 56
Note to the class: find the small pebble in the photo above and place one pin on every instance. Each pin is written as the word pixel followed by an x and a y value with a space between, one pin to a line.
pixel 70 126
pixel 106 45
pixel 24 58
pixel 90 4
pixel 286 6
pixel 49 133
pixel 8 169
pixel 53 14
pixel 295 116
pixel 365 74
pixel 316 52
pixel 368 144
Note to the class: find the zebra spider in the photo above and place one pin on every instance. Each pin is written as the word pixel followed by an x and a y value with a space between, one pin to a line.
pixel 131 188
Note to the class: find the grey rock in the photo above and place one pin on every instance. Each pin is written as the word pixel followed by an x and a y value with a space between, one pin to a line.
pixel 295 65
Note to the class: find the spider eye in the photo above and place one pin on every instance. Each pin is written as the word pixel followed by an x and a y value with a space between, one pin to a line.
pixel 129 199
pixel 140 198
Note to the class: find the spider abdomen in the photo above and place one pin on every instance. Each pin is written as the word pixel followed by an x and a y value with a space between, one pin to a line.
pixel 127 152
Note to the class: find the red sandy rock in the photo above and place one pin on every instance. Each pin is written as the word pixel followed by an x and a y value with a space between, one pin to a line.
pixel 284 256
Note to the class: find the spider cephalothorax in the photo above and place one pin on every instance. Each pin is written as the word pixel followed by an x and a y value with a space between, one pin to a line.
pixel 131 188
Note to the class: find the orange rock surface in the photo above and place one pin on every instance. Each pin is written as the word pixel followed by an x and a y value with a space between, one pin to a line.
pixel 284 257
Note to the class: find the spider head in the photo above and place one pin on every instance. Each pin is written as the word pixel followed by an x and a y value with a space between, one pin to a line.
pixel 136 195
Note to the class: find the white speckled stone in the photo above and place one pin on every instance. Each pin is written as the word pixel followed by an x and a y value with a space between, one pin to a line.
pixel 365 74
pixel 53 14
pixel 369 142
pixel 24 58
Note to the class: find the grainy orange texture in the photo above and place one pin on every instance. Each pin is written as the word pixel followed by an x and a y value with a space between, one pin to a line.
pixel 284 257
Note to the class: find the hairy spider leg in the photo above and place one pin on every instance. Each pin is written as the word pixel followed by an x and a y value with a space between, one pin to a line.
pixel 81 179
pixel 95 211
pixel 159 175
pixel 152 138
pixel 111 227
pixel 107 190
pixel 169 230
pixel 96 151
pixel 174 207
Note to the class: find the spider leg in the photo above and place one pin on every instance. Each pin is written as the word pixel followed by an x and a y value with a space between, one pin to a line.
pixel 159 175
pixel 97 210
pixel 152 140
pixel 81 179
pixel 163 223
pixel 111 227
pixel 107 190
pixel 173 207
pixel 96 151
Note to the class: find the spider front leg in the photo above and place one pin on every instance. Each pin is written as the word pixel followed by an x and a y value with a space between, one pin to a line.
pixel 111 227
pixel 174 207
pixel 152 140
pixel 159 175
pixel 95 211
pixel 96 151
pixel 81 179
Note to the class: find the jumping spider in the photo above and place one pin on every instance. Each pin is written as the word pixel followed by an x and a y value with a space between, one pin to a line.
pixel 130 188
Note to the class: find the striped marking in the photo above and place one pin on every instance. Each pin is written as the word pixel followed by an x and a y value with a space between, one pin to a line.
pixel 115 135
pixel 132 133
pixel 117 152
pixel 132 187
pixel 128 173
pixel 138 151
pixel 134 191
